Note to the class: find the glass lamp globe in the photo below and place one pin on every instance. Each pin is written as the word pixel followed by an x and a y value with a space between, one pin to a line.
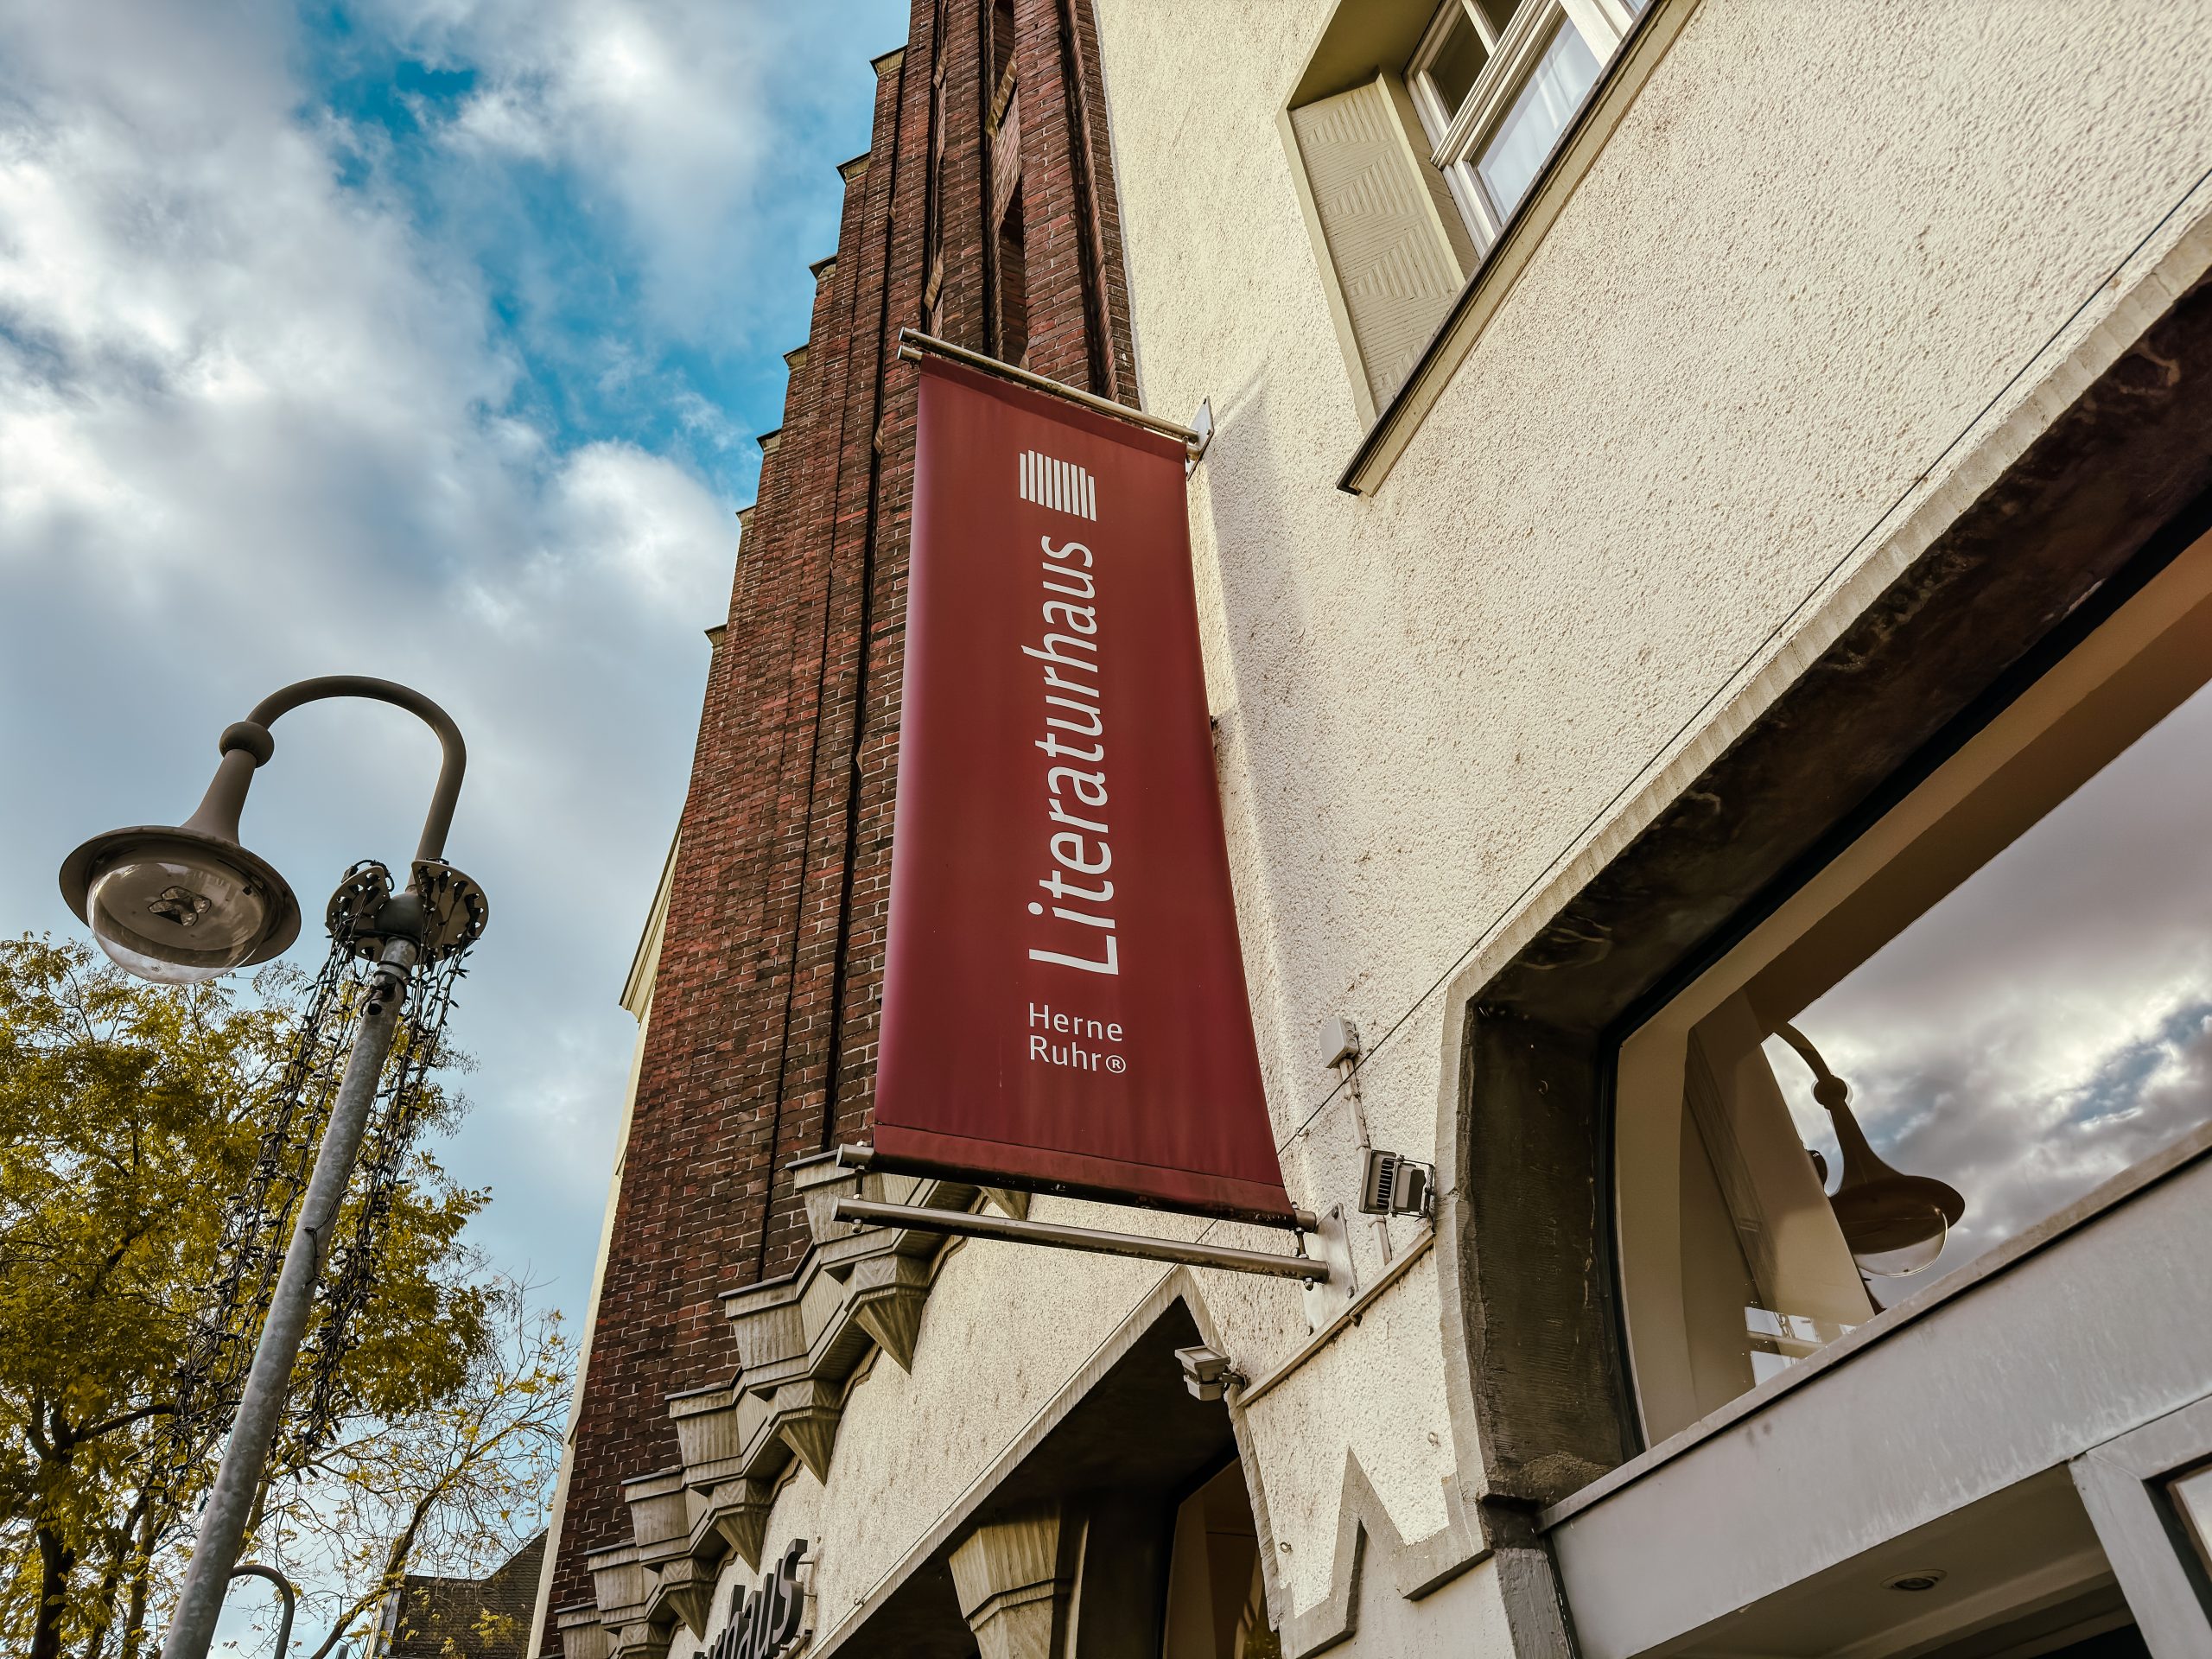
pixel 179 906
pixel 1894 1227
pixel 176 919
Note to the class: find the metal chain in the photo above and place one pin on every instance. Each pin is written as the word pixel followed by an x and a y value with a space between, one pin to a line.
pixel 258 1222
pixel 350 1278
pixel 257 1217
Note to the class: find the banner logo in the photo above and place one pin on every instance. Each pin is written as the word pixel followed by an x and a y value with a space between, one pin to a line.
pixel 1060 485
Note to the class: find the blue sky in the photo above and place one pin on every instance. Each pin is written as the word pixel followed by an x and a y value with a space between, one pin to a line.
pixel 423 337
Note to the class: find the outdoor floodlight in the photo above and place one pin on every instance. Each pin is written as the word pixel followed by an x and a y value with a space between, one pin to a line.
pixel 1207 1374
pixel 1893 1224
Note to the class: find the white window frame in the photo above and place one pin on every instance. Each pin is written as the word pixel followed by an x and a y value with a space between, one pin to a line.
pixel 1458 138
pixel 2122 1483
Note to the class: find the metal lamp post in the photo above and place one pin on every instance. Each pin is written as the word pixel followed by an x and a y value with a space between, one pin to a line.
pixel 179 905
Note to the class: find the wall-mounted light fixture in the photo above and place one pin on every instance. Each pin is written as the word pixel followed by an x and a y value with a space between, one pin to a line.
pixel 1391 1185
pixel 1207 1374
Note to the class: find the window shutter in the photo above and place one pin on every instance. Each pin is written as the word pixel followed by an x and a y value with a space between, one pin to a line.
pixel 1378 208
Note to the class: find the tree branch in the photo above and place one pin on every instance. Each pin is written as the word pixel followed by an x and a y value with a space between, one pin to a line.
pixel 109 1425
pixel 394 1573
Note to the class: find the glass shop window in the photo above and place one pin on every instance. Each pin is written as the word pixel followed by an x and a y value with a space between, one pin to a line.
pixel 1994 1000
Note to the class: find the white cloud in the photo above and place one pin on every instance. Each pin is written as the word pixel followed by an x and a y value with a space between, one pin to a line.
pixel 672 113
pixel 614 501
pixel 254 426
pixel 263 414
pixel 2049 1023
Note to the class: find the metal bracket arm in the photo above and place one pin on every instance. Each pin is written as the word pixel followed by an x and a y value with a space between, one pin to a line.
pixel 961 1223
pixel 913 345
pixel 861 1155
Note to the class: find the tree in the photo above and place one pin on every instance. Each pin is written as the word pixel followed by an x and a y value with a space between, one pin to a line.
pixel 127 1112
pixel 456 1487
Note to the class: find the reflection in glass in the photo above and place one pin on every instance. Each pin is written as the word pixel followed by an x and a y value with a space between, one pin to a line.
pixel 1766 1275
pixel 2013 971
pixel 2047 1022
pixel 1894 1224
pixel 2192 1499
pixel 1780 1340
pixel 1509 163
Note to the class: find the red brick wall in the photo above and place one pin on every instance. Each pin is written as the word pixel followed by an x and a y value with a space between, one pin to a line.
pixel 761 1046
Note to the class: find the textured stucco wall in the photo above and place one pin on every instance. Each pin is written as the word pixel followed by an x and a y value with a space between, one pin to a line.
pixel 1823 243
pixel 1822 240
pixel 1005 1328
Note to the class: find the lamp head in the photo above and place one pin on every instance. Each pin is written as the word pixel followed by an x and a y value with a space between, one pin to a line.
pixel 179 905
pixel 1895 1224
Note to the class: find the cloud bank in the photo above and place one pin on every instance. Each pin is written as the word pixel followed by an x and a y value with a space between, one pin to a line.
pixel 418 341
pixel 2049 1023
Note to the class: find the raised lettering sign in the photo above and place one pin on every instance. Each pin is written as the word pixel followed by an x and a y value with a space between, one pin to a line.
pixel 763 1622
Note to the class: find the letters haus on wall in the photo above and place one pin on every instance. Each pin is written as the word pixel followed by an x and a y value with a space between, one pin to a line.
pixel 1064 1001
pixel 764 1623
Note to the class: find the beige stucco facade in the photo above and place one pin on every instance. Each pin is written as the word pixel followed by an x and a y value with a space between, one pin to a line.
pixel 1833 269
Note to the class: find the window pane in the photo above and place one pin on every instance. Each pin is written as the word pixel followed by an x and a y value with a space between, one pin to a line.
pixel 1554 91
pixel 2048 1022
pixel 1498 14
pixel 2000 1000
pixel 1458 61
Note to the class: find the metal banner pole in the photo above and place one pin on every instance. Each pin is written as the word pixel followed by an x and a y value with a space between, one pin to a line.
pixel 1054 1236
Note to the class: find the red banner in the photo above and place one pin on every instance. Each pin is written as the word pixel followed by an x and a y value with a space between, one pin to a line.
pixel 1064 1003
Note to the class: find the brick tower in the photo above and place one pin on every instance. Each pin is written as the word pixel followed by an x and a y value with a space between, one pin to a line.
pixel 982 212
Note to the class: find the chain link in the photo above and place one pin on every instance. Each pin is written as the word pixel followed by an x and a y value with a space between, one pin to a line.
pixel 257 1218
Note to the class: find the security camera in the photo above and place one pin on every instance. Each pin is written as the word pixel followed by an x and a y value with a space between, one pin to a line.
pixel 1206 1374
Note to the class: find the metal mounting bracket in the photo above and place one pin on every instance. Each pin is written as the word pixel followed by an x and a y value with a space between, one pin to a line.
pixel 1315 1270
pixel 1202 430
pixel 1326 1297
pixel 913 345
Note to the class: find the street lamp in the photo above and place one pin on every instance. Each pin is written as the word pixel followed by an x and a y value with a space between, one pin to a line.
pixel 1894 1224
pixel 179 906
pixel 182 904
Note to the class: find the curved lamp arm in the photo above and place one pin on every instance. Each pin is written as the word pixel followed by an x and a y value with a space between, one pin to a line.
pixel 1811 1056
pixel 247 745
pixel 254 1570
